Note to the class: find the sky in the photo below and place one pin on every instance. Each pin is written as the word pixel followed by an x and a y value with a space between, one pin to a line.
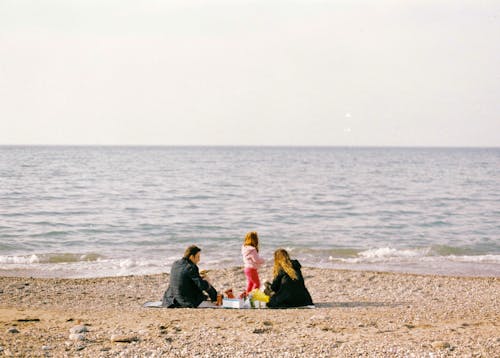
pixel 195 72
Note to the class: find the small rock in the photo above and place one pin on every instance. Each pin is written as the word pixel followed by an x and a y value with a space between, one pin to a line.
pixel 79 348
pixel 12 330
pixel 28 320
pixel 46 348
pixel 123 339
pixel 79 329
pixel 260 330
pixel 440 345
pixel 77 336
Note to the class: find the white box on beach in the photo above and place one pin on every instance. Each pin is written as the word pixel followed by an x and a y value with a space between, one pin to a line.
pixel 232 303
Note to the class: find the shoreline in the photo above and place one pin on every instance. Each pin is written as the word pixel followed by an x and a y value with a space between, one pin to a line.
pixel 38 274
pixel 365 313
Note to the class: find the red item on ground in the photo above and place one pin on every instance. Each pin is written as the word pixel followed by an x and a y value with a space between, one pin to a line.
pixel 229 293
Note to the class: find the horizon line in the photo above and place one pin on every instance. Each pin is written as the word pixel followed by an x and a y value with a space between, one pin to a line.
pixel 256 146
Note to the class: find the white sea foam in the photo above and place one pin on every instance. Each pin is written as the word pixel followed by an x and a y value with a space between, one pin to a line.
pixel 98 268
pixel 384 252
pixel 126 264
pixel 19 260
pixel 46 258
pixel 394 256
pixel 477 258
pixel 137 266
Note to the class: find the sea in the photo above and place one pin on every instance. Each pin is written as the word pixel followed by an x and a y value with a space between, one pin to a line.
pixel 95 211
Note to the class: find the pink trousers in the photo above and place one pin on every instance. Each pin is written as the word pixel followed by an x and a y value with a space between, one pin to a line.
pixel 252 278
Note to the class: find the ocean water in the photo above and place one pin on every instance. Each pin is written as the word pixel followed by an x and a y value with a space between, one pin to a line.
pixel 107 211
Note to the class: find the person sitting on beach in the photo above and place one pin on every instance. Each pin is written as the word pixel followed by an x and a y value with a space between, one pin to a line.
pixel 288 284
pixel 187 287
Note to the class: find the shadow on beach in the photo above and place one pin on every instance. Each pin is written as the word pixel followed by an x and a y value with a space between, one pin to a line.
pixel 356 304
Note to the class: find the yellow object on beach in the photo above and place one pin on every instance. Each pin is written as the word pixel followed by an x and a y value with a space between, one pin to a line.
pixel 259 295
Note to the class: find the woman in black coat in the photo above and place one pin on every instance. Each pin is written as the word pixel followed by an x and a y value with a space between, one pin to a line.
pixel 288 283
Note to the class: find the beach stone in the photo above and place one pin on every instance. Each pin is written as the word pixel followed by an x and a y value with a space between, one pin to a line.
pixel 260 330
pixel 77 336
pixel 79 329
pixel 12 330
pixel 28 320
pixel 123 338
pixel 440 345
pixel 46 348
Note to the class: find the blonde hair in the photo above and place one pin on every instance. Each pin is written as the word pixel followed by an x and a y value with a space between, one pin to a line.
pixel 282 262
pixel 252 239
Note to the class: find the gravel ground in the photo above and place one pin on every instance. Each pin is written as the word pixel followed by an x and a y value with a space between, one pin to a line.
pixel 362 314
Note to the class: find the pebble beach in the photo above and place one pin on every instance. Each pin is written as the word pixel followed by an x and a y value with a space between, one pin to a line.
pixel 358 313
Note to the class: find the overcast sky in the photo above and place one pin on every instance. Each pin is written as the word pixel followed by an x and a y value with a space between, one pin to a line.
pixel 343 72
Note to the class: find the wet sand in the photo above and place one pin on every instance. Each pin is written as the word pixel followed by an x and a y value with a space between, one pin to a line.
pixel 358 314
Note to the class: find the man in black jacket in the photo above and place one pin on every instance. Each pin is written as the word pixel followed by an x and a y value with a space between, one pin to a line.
pixel 187 287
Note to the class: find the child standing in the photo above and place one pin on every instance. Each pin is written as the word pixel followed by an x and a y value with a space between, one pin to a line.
pixel 252 260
